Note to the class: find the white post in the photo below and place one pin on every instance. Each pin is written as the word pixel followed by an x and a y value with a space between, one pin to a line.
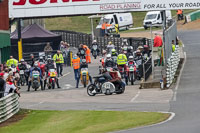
pixel 91 20
pixel 152 60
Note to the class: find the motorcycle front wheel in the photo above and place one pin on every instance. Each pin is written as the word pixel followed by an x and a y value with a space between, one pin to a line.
pixel 84 81
pixel 90 90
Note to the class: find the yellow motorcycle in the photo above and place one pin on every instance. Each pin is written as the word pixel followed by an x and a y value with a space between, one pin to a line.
pixel 84 75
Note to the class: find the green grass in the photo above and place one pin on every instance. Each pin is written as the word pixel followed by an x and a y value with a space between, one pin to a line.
pixel 82 23
pixel 82 121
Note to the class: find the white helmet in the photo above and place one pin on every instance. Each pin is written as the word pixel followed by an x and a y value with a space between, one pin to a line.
pixel 22 60
pixel 131 57
pixel 108 56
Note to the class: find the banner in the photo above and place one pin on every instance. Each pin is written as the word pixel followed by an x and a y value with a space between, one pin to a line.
pixel 48 8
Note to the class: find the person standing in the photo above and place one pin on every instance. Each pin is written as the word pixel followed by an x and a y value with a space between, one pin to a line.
pixel 76 66
pixel 58 58
pixel 48 49
pixel 87 52
pixel 173 46
pixel 158 43
pixel 2 85
pixel 12 62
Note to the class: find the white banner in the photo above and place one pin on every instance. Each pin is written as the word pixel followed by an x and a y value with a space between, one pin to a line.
pixel 43 8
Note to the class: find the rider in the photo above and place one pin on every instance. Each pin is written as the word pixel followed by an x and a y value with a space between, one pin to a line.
pixel 114 53
pixel 35 68
pixel 50 65
pixel 121 61
pixel 22 66
pixel 116 79
pixel 109 62
pixel 131 61
pixel 81 51
pixel 84 64
pixel 129 51
pixel 94 43
pixel 12 62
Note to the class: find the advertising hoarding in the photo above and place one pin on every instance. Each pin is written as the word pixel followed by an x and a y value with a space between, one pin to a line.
pixel 48 8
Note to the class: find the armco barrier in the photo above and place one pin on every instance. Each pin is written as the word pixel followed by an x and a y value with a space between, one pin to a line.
pixel 193 16
pixel 9 105
pixel 172 65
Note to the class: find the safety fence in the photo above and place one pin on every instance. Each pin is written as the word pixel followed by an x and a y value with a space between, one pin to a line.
pixel 9 106
pixel 172 65
pixel 147 69
pixel 76 38
pixel 170 35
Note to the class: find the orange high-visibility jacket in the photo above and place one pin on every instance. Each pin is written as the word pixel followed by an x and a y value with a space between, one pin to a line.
pixel 179 11
pixel 76 63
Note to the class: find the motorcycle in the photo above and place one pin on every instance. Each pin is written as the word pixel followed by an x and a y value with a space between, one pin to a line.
pixel 84 75
pixel 138 64
pixel 51 78
pixel 82 54
pixel 101 86
pixel 131 72
pixel 22 79
pixel 94 51
pixel 35 80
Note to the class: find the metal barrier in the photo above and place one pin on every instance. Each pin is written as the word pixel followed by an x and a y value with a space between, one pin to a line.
pixel 9 105
pixel 147 69
pixel 76 38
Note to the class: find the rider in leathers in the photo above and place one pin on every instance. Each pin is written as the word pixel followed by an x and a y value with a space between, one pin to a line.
pixel 50 65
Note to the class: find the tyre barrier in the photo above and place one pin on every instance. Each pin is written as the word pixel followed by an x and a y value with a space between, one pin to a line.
pixel 9 106
pixel 172 65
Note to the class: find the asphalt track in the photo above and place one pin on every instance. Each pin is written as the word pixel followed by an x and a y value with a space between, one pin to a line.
pixel 186 106
pixel 184 101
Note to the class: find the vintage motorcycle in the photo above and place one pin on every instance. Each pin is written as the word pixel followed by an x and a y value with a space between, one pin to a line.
pixel 84 76
pixel 131 72
pixel 35 80
pixel 51 78
pixel 101 86
pixel 94 51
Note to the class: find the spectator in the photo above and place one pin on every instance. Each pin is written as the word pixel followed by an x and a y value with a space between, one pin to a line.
pixel 48 49
pixel 6 73
pixel 10 87
pixel 173 46
pixel 2 85
pixel 157 41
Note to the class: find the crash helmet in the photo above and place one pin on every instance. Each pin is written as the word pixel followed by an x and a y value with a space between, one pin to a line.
pixel 49 60
pixel 113 51
pixel 108 57
pixel 94 41
pixel 131 58
pixel 22 60
pixel 35 65
pixel 104 52
pixel 109 42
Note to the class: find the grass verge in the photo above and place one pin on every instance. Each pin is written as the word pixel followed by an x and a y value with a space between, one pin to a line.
pixel 82 121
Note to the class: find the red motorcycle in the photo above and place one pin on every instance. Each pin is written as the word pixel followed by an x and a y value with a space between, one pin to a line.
pixel 131 73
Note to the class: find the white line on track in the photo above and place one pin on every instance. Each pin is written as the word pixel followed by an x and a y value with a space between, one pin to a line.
pixel 179 78
pixel 64 75
pixel 172 115
pixel 136 96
